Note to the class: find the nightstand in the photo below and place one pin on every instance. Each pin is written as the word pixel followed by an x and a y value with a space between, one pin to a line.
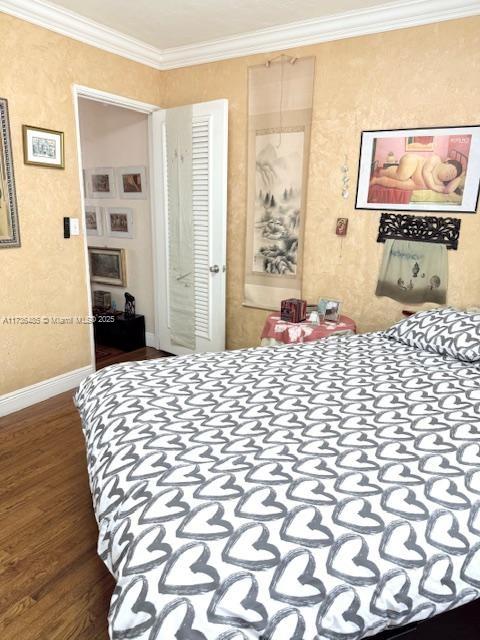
pixel 124 332
pixel 276 331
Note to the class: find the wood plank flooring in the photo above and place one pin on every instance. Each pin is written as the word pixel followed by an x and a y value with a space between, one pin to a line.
pixel 52 584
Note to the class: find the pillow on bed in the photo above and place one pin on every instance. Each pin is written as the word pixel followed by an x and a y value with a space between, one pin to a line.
pixel 445 331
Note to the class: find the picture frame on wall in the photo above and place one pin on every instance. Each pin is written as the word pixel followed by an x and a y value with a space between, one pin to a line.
pixel 132 182
pixel 93 220
pixel 430 169
pixel 119 222
pixel 9 229
pixel 341 226
pixel 43 147
pixel 108 266
pixel 100 182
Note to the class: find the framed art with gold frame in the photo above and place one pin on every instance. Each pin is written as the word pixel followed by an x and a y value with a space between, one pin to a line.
pixel 43 147
pixel 107 266
pixel 9 230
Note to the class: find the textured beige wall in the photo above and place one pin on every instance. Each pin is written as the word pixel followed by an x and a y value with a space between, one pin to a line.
pixel 46 276
pixel 424 76
pixel 412 77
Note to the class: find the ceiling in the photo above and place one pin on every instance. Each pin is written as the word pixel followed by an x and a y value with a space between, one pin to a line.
pixel 167 34
pixel 173 23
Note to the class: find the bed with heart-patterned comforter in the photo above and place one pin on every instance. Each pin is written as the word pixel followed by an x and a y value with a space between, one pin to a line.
pixel 319 491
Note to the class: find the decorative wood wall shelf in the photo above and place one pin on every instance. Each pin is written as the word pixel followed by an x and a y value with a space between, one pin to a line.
pixel 433 229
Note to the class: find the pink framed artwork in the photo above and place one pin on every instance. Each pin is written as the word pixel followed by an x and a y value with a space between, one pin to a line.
pixel 434 169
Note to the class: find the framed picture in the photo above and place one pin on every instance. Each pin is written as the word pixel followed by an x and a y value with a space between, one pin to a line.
pixel 132 182
pixel 43 147
pixel 100 182
pixel 119 222
pixel 329 310
pixel 93 220
pixel 434 169
pixel 9 231
pixel 107 266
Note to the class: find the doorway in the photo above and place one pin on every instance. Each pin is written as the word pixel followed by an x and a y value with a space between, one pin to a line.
pixel 114 151
pixel 138 217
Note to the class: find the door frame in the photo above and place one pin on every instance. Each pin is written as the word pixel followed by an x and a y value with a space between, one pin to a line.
pixel 81 91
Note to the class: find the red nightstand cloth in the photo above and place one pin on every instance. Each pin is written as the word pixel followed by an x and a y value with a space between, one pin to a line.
pixel 289 332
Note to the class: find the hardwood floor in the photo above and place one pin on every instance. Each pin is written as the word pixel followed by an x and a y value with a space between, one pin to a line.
pixel 52 584
pixel 109 355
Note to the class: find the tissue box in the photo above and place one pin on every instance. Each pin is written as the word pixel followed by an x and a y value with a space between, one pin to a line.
pixel 293 310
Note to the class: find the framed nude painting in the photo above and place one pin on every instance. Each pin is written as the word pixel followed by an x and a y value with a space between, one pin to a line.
pixel 436 169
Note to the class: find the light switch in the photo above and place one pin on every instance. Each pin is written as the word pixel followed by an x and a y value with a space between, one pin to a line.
pixel 74 227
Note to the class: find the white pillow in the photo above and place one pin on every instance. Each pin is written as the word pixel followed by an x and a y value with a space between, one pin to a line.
pixel 445 331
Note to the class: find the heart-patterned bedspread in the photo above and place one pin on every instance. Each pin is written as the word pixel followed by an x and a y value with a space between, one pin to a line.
pixel 319 491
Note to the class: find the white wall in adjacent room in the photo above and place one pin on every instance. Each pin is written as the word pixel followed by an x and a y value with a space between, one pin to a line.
pixel 116 137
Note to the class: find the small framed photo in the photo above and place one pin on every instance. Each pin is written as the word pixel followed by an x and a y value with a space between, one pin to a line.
pixel 107 266
pixel 100 182
pixel 93 220
pixel 341 226
pixel 119 222
pixel 132 182
pixel 43 147
pixel 329 310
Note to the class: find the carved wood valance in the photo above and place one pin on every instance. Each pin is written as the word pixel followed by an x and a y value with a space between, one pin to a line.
pixel 419 229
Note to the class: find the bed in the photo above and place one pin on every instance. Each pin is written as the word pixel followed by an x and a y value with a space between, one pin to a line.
pixel 328 490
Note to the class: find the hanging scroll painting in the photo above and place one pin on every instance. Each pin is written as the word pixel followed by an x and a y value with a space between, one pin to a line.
pixel 280 109
pixel 279 172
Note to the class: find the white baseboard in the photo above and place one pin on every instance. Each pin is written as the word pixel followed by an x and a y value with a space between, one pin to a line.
pixel 151 340
pixel 21 398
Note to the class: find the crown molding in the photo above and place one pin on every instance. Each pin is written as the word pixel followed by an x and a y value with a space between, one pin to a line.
pixel 73 25
pixel 387 17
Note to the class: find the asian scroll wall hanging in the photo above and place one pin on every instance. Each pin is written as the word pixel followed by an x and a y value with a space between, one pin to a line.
pixel 279 122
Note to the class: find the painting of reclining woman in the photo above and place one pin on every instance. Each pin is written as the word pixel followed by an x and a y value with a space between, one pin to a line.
pixel 428 169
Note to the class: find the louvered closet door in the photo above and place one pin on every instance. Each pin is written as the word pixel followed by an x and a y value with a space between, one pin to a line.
pixel 205 191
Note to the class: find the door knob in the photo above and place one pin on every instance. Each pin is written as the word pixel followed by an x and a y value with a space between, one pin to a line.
pixel 215 268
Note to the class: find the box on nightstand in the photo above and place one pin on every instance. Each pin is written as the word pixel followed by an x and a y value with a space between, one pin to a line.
pixel 293 310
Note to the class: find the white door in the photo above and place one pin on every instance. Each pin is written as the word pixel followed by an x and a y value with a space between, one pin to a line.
pixel 209 137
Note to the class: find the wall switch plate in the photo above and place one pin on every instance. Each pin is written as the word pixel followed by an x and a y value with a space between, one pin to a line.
pixel 74 227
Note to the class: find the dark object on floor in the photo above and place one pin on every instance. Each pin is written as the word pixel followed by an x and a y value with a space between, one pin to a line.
pixel 126 333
